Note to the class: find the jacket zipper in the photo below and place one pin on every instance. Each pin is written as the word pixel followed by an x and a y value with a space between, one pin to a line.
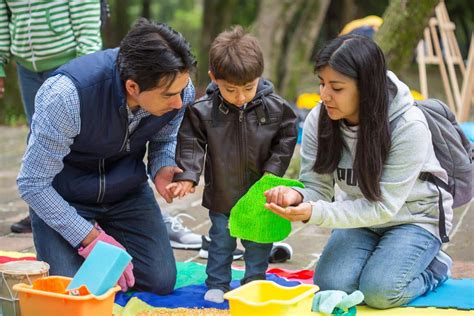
pixel 126 141
pixel 101 195
pixel 241 143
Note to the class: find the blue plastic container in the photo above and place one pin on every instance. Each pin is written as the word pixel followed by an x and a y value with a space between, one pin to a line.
pixel 101 269
pixel 468 129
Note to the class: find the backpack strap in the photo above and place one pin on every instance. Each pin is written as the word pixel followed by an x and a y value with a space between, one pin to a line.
pixel 426 176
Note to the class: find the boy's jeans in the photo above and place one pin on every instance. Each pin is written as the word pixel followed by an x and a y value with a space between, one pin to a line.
pixel 30 82
pixel 219 273
pixel 135 222
pixel 389 265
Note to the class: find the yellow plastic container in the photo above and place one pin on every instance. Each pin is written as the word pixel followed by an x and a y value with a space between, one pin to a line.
pixel 51 301
pixel 268 298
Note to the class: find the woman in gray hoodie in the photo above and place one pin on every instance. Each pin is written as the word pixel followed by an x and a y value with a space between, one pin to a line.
pixel 385 240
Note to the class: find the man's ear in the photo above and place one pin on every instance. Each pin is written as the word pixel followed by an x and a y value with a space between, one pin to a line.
pixel 211 75
pixel 132 87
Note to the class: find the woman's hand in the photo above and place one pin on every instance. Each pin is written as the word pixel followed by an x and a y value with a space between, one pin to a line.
pixel 299 213
pixel 283 196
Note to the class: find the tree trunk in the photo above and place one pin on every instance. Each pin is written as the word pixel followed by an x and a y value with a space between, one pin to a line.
pixel 146 9
pixel 217 17
pixel 404 22
pixel 297 58
pixel 287 34
pixel 118 24
pixel 348 12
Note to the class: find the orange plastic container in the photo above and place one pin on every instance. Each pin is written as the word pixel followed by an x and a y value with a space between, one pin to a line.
pixel 46 297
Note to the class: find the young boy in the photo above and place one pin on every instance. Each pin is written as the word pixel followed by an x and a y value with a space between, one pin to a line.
pixel 241 129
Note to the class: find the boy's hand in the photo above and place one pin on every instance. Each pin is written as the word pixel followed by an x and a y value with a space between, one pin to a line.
pixel 283 196
pixel 163 178
pixel 180 188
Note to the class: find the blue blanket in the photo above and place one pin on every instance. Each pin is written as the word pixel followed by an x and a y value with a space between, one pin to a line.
pixel 455 293
pixel 191 296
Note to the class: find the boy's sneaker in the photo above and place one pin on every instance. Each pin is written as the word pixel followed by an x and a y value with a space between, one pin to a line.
pixel 180 236
pixel 214 295
pixel 441 267
pixel 204 252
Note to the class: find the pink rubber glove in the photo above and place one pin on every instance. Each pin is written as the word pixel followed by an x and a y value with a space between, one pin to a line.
pixel 126 279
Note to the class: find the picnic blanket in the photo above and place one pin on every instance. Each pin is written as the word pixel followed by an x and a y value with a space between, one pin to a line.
pixel 455 297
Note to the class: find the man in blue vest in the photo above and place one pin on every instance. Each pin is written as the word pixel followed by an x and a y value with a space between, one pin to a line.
pixel 83 174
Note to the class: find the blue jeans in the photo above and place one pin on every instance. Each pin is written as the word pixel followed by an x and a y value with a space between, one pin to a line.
pixel 389 265
pixel 219 273
pixel 135 222
pixel 30 82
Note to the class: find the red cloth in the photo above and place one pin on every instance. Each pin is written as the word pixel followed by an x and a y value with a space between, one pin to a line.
pixel 5 259
pixel 292 274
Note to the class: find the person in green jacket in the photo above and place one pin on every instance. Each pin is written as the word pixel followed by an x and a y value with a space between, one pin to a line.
pixel 40 36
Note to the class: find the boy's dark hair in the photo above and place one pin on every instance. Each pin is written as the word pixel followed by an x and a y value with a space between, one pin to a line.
pixel 152 54
pixel 236 57
pixel 361 59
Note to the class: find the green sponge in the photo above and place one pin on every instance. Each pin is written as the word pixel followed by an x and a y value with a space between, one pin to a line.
pixel 250 220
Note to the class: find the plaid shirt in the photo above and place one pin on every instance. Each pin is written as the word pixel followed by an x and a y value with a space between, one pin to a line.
pixel 55 124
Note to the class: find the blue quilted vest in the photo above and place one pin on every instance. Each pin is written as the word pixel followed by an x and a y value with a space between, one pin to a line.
pixel 105 162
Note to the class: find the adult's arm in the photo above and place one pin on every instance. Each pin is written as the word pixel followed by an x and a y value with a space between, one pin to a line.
pixel 55 124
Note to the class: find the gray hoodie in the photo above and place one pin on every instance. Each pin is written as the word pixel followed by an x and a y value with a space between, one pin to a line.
pixel 405 198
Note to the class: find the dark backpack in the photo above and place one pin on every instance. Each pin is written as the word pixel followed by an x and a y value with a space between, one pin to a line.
pixel 453 150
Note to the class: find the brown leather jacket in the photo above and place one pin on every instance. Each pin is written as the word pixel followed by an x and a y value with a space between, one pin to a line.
pixel 238 145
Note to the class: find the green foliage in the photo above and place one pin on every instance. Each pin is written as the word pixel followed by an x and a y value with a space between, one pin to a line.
pixel 188 23
pixel 11 107
pixel 293 171
pixel 246 12
pixel 461 13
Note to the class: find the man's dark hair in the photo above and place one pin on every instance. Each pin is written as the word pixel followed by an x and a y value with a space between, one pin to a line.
pixel 152 54
pixel 361 59
pixel 236 57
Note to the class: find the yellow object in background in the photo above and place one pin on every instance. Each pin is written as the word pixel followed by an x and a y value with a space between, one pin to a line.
pixel 307 100
pixel 417 95
pixel 371 20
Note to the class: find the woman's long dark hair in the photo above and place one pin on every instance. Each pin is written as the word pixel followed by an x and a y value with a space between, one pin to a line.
pixel 359 58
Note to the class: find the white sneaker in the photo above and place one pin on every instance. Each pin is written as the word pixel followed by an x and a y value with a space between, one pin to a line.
pixel 204 252
pixel 180 236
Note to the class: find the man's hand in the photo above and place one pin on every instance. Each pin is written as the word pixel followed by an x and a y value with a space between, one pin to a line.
pixel 163 178
pixel 2 87
pixel 283 196
pixel 127 279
